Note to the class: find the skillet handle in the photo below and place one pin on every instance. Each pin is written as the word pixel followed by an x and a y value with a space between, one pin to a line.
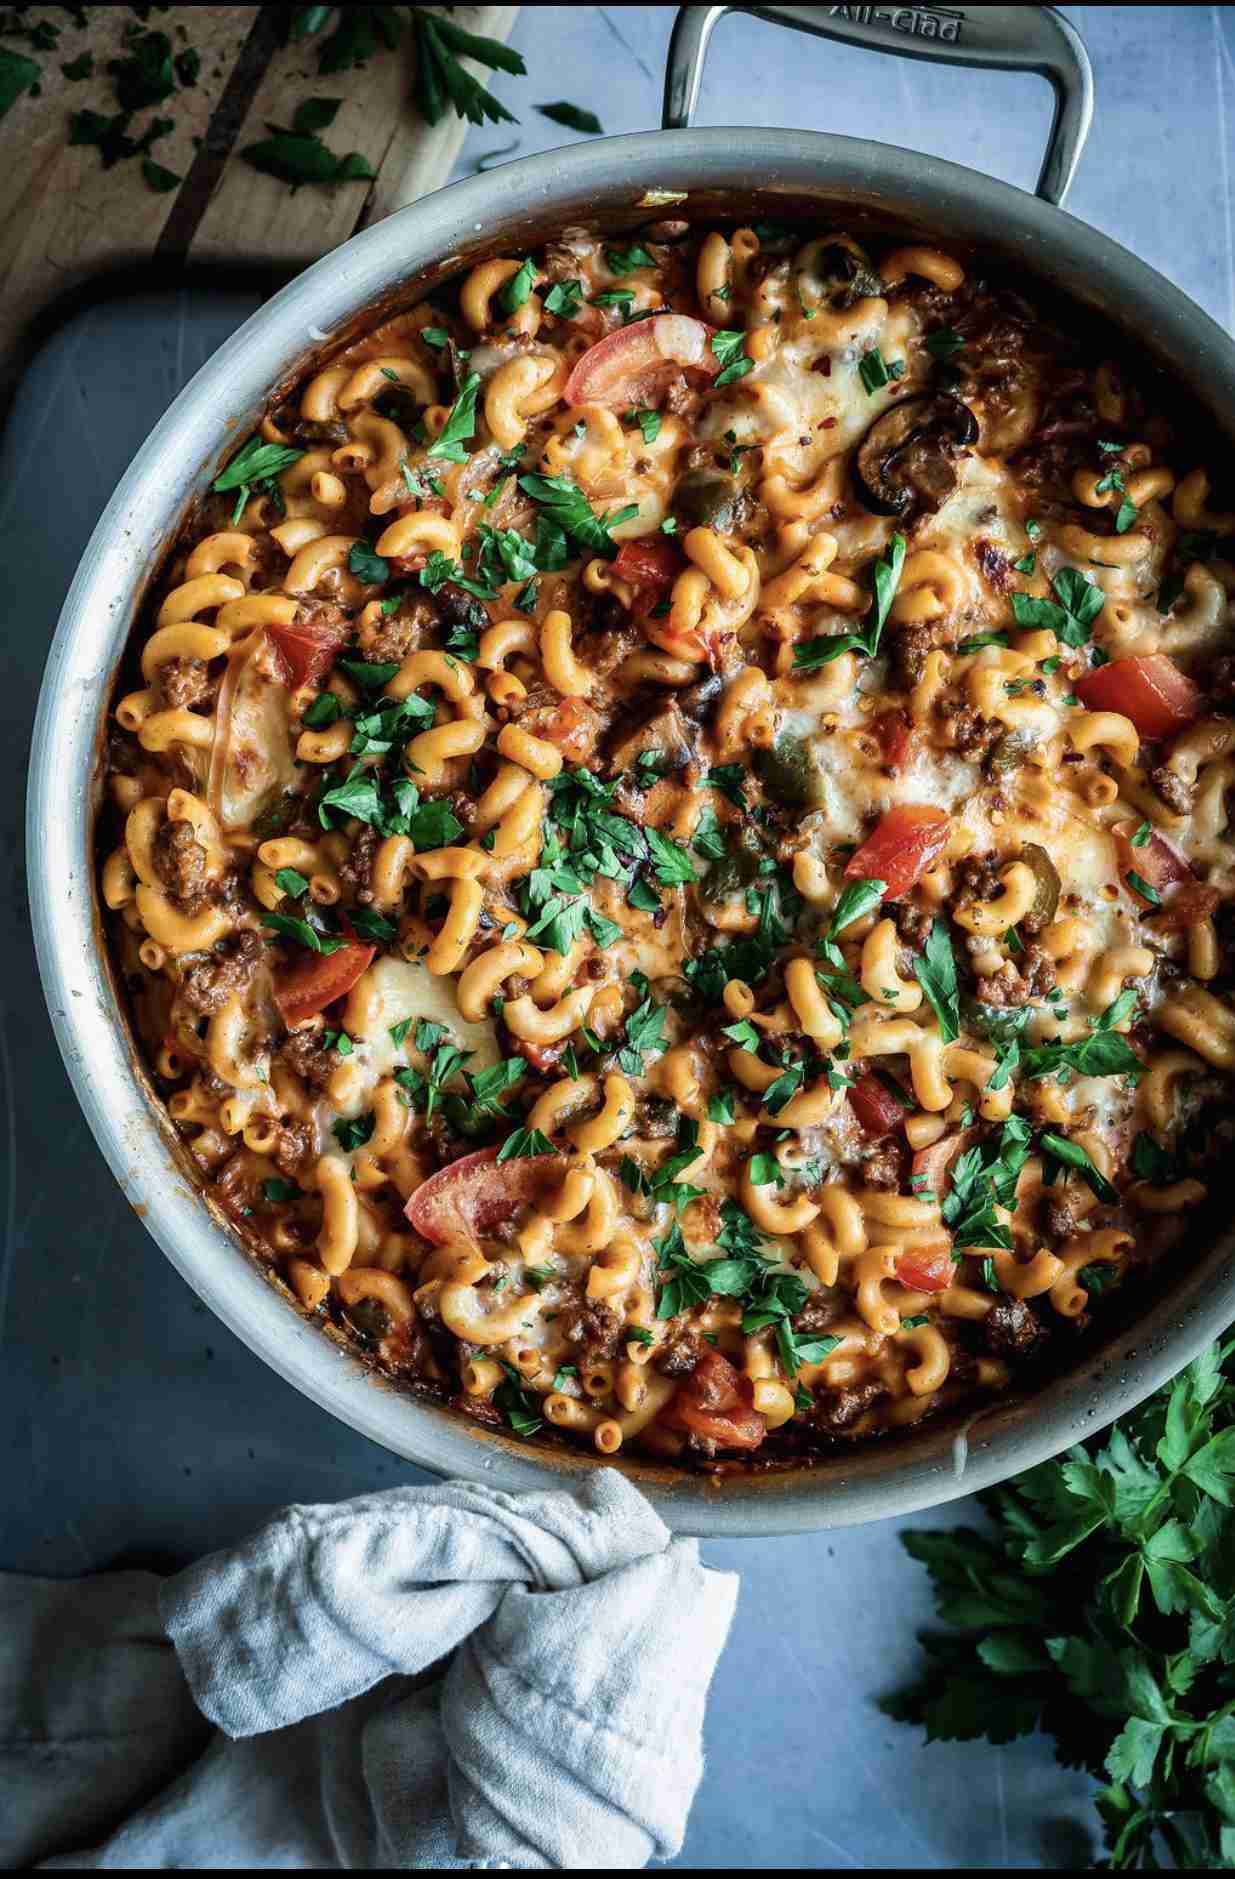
pixel 1020 38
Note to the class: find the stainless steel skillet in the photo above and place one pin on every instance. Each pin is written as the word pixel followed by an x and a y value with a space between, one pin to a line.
pixel 617 183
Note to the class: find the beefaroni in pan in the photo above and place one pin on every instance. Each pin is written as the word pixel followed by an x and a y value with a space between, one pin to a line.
pixel 668 837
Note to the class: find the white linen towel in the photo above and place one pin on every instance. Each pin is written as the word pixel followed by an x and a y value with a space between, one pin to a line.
pixel 566 1729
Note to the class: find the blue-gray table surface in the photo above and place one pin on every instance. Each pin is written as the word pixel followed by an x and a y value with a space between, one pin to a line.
pixel 138 1428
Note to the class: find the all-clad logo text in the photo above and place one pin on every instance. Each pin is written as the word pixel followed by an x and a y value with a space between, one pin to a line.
pixel 920 22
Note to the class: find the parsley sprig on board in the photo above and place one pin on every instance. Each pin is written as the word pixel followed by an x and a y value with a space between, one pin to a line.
pixel 1102 1609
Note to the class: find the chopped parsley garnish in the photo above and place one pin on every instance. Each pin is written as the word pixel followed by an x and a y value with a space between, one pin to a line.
pixel 1150 1161
pixel 729 779
pixel 524 1142
pixel 644 1033
pixel 256 465
pixel 935 970
pixel 625 260
pixel 1072 1155
pixel 984 1178
pixel 517 291
pixel 1103 1054
pixel 648 422
pixel 875 372
pixel 292 882
pixel 315 938
pixel 514 1402
pixel 810 654
pixel 567 505
pixel 426 1088
pixel 1070 617
pixel 367 565
pixel 730 348
pixel 460 425
pixel 352 1133
pixel 672 865
pixel 564 299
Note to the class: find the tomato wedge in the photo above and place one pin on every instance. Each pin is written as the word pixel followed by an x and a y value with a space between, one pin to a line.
pixel 574 727
pixel 875 1107
pixel 1155 860
pixel 1151 690
pixel 710 1402
pixel 651 564
pixel 934 1162
pixel 470 1197
pixel 318 979
pixel 633 366
pixel 901 847
pixel 895 734
pixel 309 649
pixel 926 1271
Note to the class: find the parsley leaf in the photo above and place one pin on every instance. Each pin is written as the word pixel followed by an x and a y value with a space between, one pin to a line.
pixel 730 348
pixel 524 1142
pixel 567 505
pixel 670 860
pixel 810 654
pixel 564 299
pixel 254 464
pixel 367 565
pixel 625 260
pixel 875 372
pixel 460 425
pixel 353 1133
pixel 1079 604
pixel 1074 1156
pixel 574 117
pixel 1103 1054
pixel 935 970
pixel 313 937
pixel 441 81
pixel 515 1403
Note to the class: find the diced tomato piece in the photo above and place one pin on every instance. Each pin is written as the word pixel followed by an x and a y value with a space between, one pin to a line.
pixel 542 1057
pixel 636 364
pixel 1187 906
pixel 875 1107
pixel 930 1165
pixel 651 564
pixel 472 1196
pixel 318 979
pixel 309 649
pixel 925 1271
pixel 895 734
pixel 574 728
pixel 713 1401
pixel 1151 690
pixel 728 1428
pixel 904 843
pixel 1155 861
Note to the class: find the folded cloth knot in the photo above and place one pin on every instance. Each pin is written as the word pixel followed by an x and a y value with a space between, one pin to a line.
pixel 565 1729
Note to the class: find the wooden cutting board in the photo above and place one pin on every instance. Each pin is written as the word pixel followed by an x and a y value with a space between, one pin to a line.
pixel 67 224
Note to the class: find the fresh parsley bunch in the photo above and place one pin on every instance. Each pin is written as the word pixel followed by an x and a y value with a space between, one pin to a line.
pixel 1101 1609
